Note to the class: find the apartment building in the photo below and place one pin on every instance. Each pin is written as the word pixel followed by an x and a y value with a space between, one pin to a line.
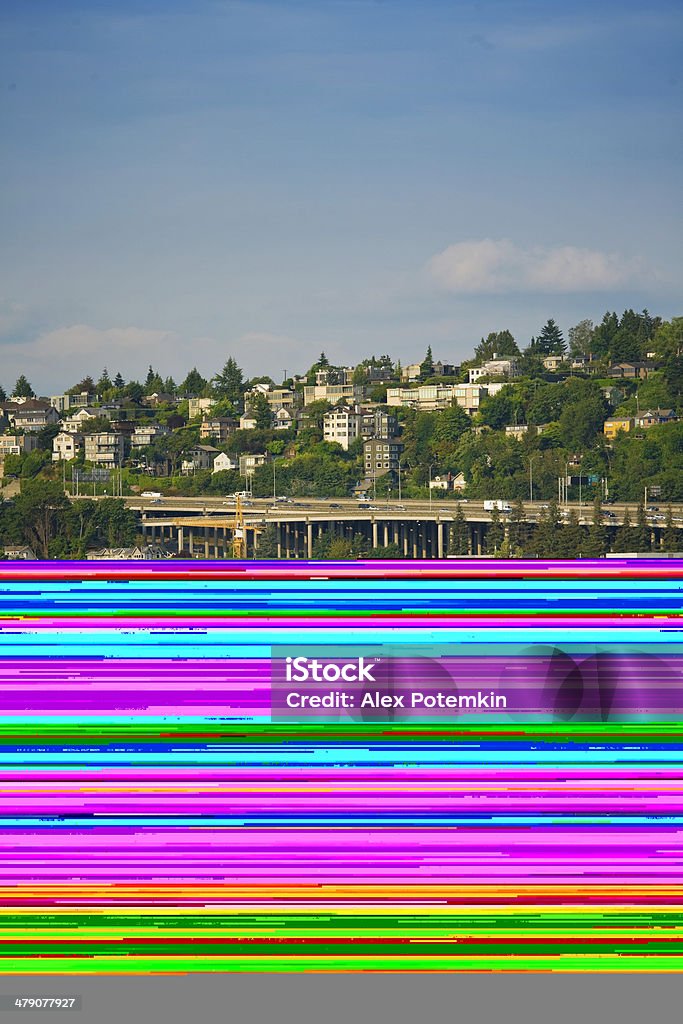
pixel 105 449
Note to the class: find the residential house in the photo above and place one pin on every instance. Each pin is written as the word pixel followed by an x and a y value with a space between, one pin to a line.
pixel 31 416
pixel 63 403
pixel 441 483
pixel 145 433
pixel 19 553
pixel 198 458
pixel 495 367
pixel 146 552
pixel 410 373
pixel 612 426
pixel 553 363
pixel 442 369
pixel 249 463
pixel 377 423
pixel 247 420
pixel 381 456
pixel 104 449
pixel 66 446
pixel 224 462
pixel 655 417
pixel 427 397
pixel 74 423
pixel 218 427
pixel 200 406
pixel 459 482
pixel 282 398
pixel 158 398
pixel 353 393
pixel 17 444
pixel 632 371
pixel 284 419
pixel 341 426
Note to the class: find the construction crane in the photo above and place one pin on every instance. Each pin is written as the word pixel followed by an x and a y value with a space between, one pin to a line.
pixel 239 531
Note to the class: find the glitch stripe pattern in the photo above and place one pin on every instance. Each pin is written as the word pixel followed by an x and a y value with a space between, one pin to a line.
pixel 156 819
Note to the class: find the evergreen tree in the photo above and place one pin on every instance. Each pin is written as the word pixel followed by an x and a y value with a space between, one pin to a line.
pixel 119 382
pixel 499 343
pixel 518 528
pixel 427 366
pixel 459 544
pixel 495 534
pixel 260 410
pixel 267 543
pixel 104 383
pixel 87 384
pixel 3 395
pixel 194 384
pixel 641 534
pixel 169 386
pixel 573 537
pixel 624 540
pixel 545 535
pixel 550 341
pixel 22 388
pixel 670 539
pixel 149 379
pixel 596 544
pixel 229 383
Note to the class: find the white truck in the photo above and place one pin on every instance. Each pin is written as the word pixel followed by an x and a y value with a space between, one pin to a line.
pixel 151 494
pixel 502 506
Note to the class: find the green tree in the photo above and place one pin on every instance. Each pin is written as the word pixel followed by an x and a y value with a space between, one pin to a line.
pixel 3 394
pixel 115 522
pixel 670 539
pixel 459 541
pixel 518 527
pixel 581 339
pixel 260 410
pixel 119 382
pixel 22 388
pixel 104 383
pixel 499 343
pixel 624 540
pixel 427 365
pixel 495 535
pixel 573 537
pixel 40 510
pixel 229 383
pixel 268 543
pixel 135 391
pixel 596 544
pixel 642 534
pixel 668 339
pixel 87 384
pixel 550 341
pixel 194 384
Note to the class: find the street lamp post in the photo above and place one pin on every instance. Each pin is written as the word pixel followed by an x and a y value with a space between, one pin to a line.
pixel 430 485
pixel 531 478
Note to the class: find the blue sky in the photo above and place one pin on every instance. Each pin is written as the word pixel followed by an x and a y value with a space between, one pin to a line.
pixel 186 181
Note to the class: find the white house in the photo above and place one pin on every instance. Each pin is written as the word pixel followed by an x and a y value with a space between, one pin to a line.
pixel 223 462
pixel 247 421
pixel 145 433
pixel 66 446
pixel 73 423
pixel 283 419
pixel 341 426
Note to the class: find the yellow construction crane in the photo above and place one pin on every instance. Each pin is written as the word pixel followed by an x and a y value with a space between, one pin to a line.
pixel 239 531
pixel 239 538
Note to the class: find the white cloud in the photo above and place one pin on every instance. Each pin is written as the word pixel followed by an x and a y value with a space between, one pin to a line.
pixel 56 359
pixel 500 266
